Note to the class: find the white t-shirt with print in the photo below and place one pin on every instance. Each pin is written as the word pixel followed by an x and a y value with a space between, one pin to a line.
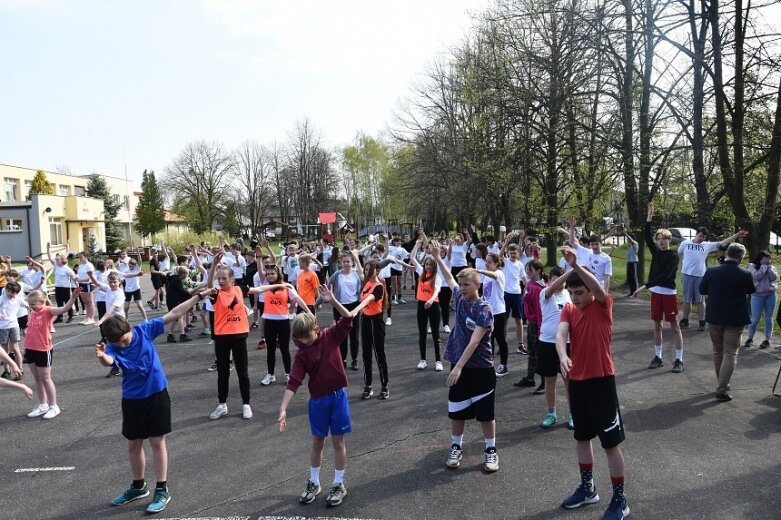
pixel 695 256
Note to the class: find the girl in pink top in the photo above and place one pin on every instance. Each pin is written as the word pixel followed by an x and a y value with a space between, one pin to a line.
pixel 533 312
pixel 38 350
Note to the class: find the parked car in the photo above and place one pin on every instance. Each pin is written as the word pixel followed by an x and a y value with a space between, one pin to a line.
pixel 681 233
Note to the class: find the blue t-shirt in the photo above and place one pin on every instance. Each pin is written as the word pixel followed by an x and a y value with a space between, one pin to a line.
pixel 142 372
pixel 468 316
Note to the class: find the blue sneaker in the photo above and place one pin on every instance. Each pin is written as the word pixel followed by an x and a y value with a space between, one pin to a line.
pixel 130 495
pixel 582 496
pixel 617 508
pixel 160 500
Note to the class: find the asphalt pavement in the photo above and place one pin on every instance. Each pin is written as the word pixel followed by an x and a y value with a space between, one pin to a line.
pixel 687 455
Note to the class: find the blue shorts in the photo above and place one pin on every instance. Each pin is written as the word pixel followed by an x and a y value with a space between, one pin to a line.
pixel 514 304
pixel 330 412
pixel 691 288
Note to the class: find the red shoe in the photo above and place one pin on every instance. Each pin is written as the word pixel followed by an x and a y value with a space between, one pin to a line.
pixel 261 344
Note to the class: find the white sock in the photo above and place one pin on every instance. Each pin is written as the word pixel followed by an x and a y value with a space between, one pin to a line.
pixel 314 475
pixel 490 443
pixel 457 439
pixel 338 476
pixel 658 350
pixel 679 354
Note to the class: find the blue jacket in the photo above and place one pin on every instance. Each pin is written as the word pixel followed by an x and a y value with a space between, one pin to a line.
pixel 727 287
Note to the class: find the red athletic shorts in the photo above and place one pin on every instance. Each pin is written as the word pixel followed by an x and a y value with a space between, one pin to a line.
pixel 664 306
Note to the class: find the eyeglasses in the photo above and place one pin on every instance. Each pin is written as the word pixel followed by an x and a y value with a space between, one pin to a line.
pixel 268 266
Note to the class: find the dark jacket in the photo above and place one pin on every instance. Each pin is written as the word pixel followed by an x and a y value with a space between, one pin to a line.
pixel 727 287
pixel 664 264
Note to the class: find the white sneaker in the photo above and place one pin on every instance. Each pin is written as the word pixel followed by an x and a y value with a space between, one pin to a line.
pixel 88 322
pixel 438 366
pixel 268 380
pixel 246 411
pixel 422 365
pixel 222 409
pixel 39 410
pixel 287 378
pixel 388 321
pixel 53 412
pixel 446 329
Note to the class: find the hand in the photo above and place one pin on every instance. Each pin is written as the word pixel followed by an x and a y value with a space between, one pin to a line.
pixel 742 233
pixel 28 391
pixel 17 371
pixel 325 293
pixel 100 350
pixel 77 291
pixel 428 304
pixel 650 210
pixel 28 259
pixel 565 366
pixel 281 421
pixel 453 376
pixel 569 255
pixel 573 221
pixel 217 258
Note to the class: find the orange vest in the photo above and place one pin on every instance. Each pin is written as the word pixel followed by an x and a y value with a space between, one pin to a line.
pixel 307 283
pixel 375 307
pixel 230 315
pixel 426 289
pixel 276 302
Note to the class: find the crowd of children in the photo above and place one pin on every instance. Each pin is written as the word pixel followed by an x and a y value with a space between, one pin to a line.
pixel 566 314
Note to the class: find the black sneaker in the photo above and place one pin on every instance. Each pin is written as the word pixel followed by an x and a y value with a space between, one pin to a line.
pixel 367 393
pixel 113 372
pixel 748 343
pixel 194 319
pixel 185 337
pixel 582 496
pixel 212 368
pixel 171 339
pixel 354 365
pixel 70 319
pixel 701 328
pixel 525 382
pixel 540 389
pixel 765 344
pixel 677 366
pixel 684 324
pixel 656 362
pixel 384 394
pixel 724 398
pixel 6 374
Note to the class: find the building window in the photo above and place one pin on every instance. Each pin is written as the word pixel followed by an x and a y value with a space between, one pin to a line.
pixel 55 231
pixel 10 224
pixel 115 198
pixel 11 190
pixel 127 202
pixel 80 191
pixel 65 190
pixel 28 186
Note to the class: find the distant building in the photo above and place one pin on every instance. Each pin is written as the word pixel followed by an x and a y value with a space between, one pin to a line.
pixel 28 222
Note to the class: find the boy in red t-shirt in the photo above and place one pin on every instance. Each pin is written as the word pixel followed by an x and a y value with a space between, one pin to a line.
pixel 320 357
pixel 588 322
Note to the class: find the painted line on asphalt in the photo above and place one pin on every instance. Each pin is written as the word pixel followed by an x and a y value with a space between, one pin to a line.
pixel 92 330
pixel 35 470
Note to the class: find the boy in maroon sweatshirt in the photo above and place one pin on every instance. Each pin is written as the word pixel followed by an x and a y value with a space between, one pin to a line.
pixel 319 356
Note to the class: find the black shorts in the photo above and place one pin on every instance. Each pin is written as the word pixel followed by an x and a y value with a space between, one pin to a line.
pixel 514 305
pixel 22 321
pixel 157 282
pixel 595 411
pixel 394 272
pixel 261 307
pixel 473 395
pixel 86 287
pixel 144 418
pixel 135 295
pixel 38 358
pixel 548 362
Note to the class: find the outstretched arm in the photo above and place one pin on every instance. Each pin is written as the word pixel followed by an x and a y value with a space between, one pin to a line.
pixel 181 309
pixel 588 278
pixel 441 267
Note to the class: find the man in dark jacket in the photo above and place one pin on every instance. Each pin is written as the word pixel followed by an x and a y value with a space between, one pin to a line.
pixel 727 287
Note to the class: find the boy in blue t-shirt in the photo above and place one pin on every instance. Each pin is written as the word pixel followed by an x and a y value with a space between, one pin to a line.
pixel 146 406
pixel 472 378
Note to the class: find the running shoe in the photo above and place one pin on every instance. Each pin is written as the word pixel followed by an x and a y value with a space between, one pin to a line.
pixel 384 394
pixel 765 344
pixel 540 389
pixel 701 328
pixel 367 393
pixel 53 412
pixel 549 421
pixel 570 422
pixel 684 324
pixel 454 457
pixel 113 372
pixel 656 362
pixel 617 510
pixel 446 329
pixel 354 365
pixel 438 366
pixel 525 382
pixel 213 367
pixel 491 463
pixel 501 371
pixel 677 366
pixel 388 321
pixel 268 379
pixel 336 496
pixel 262 344
pixel 422 364
pixel 206 332
pixel 522 350
pixel 748 343
pixel 171 339
pixel 130 495
pixel 222 409
pixel 584 495
pixel 38 411
pixel 246 411
pixel 160 500
pixel 254 325
pixel 310 493
pixel 402 301
pixel 184 337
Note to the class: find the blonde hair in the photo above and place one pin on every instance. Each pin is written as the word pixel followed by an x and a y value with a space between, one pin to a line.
pixel 36 296
pixel 663 233
pixel 469 274
pixel 303 325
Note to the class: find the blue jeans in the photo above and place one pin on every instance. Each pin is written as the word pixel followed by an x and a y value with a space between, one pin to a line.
pixel 762 305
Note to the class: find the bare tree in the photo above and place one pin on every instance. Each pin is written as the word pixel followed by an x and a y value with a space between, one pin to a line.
pixel 253 171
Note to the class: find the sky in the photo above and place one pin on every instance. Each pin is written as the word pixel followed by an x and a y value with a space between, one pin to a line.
pixel 100 86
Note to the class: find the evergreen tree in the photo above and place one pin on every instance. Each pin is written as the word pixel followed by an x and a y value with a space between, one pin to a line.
pixel 150 214
pixel 98 189
pixel 41 184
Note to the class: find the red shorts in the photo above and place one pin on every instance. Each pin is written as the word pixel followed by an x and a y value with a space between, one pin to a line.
pixel 664 306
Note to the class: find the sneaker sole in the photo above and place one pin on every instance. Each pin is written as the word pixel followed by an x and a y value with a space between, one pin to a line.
pixel 330 503
pixel 314 497
pixel 152 510
pixel 453 465
pixel 588 501
pixel 486 469
pixel 130 500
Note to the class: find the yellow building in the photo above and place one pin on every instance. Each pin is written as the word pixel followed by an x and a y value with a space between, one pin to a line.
pixel 66 219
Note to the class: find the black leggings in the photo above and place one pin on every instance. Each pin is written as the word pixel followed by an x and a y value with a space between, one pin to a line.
pixel 389 291
pixel 445 294
pixel 354 334
pixel 373 340
pixel 499 336
pixel 532 340
pixel 428 316
pixel 631 276
pixel 62 295
pixel 277 333
pixel 224 346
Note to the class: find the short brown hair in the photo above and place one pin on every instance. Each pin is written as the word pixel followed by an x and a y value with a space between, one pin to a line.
pixel 470 274
pixel 115 327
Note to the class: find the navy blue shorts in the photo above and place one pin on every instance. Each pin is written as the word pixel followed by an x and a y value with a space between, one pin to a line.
pixel 330 412
pixel 514 304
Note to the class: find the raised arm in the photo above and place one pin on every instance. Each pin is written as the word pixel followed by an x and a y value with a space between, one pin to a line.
pixel 441 267
pixel 727 241
pixel 591 282
pixel 573 241
pixel 414 253
pixel 181 309
pixel 557 284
